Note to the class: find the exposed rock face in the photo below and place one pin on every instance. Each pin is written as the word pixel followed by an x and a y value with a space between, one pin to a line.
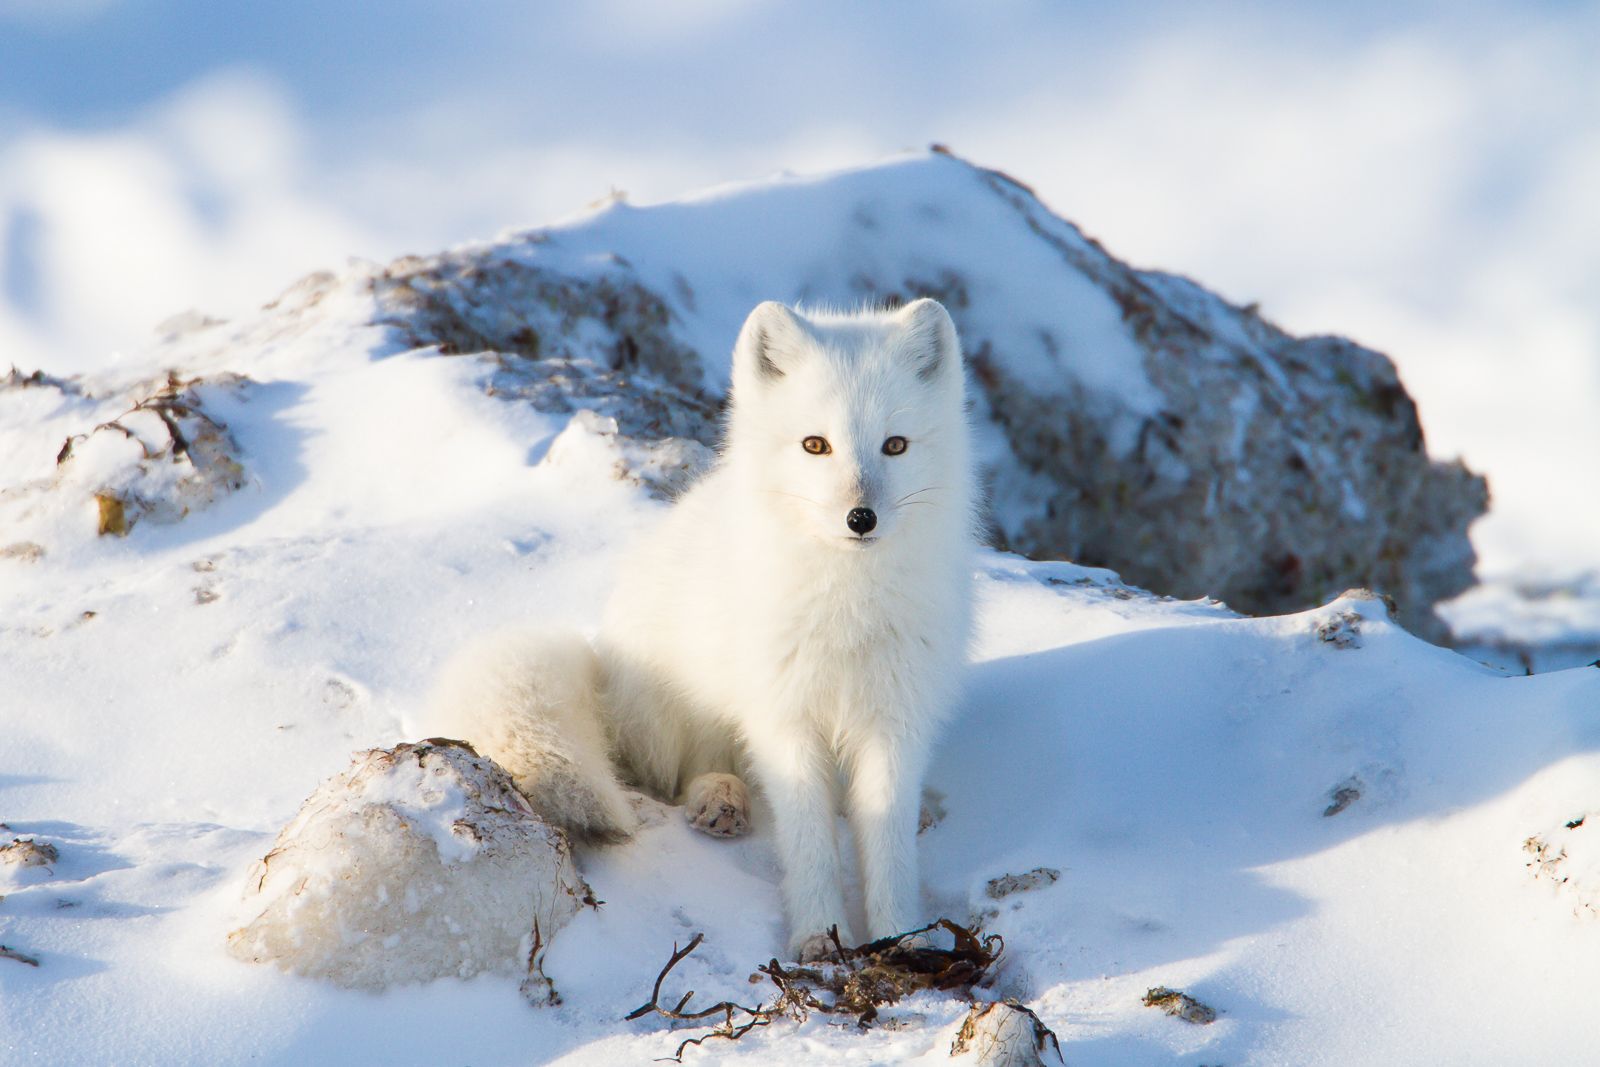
pixel 1278 471
pixel 563 342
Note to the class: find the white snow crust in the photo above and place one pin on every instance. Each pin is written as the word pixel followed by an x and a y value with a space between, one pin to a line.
pixel 170 698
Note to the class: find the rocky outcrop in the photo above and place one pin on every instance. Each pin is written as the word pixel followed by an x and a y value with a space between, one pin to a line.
pixel 1277 471
pixel 560 341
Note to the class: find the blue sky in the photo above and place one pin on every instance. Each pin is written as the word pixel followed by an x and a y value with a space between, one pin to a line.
pixel 1419 176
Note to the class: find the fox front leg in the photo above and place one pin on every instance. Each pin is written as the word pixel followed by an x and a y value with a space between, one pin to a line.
pixel 885 776
pixel 796 773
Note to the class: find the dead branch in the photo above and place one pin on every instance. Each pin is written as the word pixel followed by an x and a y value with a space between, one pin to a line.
pixel 758 1016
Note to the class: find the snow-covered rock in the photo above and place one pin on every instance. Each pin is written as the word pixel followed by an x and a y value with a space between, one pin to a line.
pixel 1005 1034
pixel 151 451
pixel 420 862
pixel 592 443
pixel 1148 425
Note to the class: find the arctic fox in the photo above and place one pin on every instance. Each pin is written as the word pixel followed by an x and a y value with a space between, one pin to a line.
pixel 799 618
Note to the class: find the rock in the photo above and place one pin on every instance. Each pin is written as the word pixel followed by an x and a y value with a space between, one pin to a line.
pixel 1038 878
pixel 1181 1005
pixel 1342 796
pixel 1006 1034
pixel 419 862
pixel 1342 630
pixel 27 852
pixel 564 341
pixel 1274 470
pixel 1252 466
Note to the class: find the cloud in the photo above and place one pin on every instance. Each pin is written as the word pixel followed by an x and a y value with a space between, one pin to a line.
pixel 204 203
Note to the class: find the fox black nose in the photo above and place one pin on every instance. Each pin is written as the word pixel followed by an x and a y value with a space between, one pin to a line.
pixel 861 520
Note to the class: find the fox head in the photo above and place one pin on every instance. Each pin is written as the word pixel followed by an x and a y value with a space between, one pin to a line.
pixel 852 427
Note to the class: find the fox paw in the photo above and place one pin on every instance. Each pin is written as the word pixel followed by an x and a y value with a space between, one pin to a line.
pixel 719 805
pixel 817 948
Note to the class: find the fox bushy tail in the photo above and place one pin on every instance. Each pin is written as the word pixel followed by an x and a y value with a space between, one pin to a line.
pixel 531 701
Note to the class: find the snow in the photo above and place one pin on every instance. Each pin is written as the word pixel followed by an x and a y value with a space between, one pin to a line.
pixel 170 698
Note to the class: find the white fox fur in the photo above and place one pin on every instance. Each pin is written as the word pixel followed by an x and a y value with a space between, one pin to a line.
pixel 765 629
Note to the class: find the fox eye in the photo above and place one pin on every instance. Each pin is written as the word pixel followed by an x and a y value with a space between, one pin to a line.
pixel 894 446
pixel 817 446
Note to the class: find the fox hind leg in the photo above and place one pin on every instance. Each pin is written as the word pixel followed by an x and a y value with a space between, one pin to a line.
pixel 718 804
pixel 530 701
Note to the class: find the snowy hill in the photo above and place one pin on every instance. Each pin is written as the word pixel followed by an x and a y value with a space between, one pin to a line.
pixel 1132 419
pixel 1356 847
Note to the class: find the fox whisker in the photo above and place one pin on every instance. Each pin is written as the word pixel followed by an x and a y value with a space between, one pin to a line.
pixel 797 496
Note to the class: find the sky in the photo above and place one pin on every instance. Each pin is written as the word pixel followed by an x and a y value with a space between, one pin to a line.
pixel 1422 177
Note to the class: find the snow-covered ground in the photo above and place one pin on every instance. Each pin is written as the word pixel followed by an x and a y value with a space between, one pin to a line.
pixel 1356 847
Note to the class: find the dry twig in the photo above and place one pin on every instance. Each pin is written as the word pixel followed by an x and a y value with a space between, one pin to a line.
pixel 862 980
pixel 20 957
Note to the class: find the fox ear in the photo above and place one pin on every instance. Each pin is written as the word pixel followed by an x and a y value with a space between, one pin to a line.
pixel 928 338
pixel 770 336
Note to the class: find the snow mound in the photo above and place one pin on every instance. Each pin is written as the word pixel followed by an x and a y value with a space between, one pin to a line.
pixel 419 862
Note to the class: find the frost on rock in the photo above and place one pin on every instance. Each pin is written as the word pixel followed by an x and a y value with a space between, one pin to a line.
pixel 159 460
pixel 1006 1034
pixel 591 443
pixel 419 862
